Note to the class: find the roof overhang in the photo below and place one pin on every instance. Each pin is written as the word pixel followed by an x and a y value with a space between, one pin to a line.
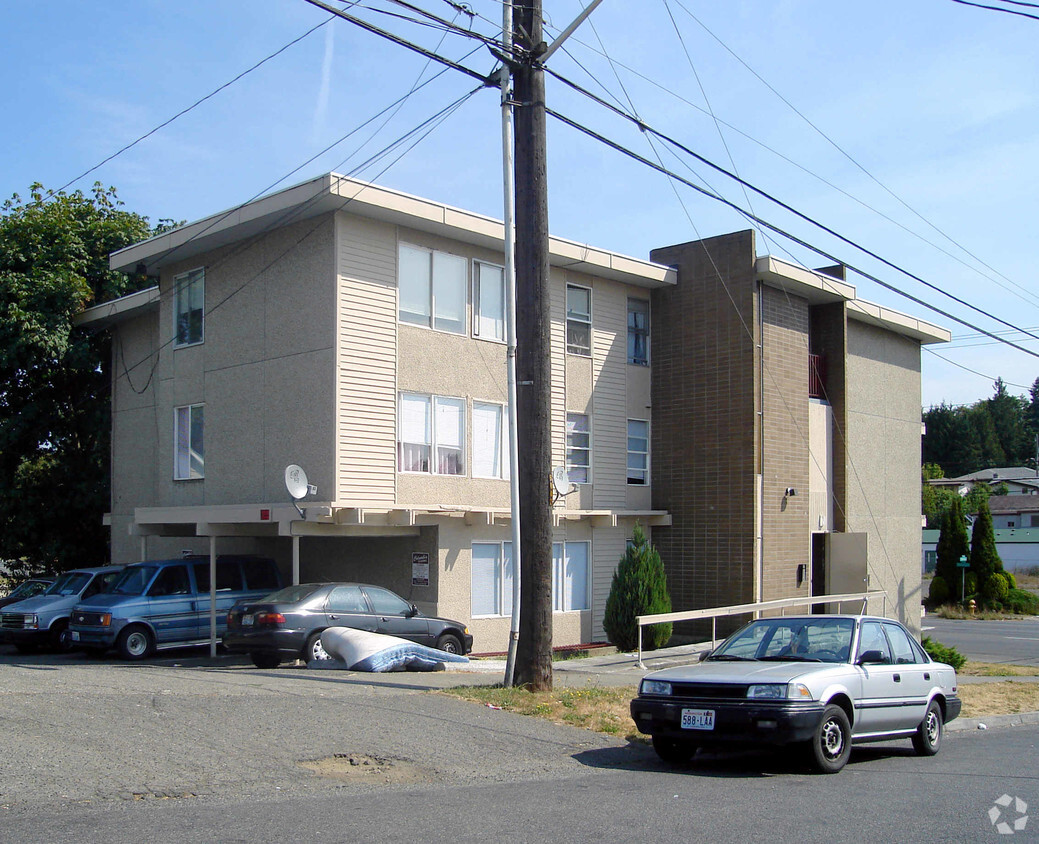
pixel 108 313
pixel 819 288
pixel 332 193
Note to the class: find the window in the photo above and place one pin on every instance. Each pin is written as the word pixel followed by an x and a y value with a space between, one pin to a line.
pixel 189 294
pixel 578 448
pixel 569 576
pixel 578 320
pixel 638 452
pixel 488 301
pixel 172 580
pixel 490 442
pixel 638 332
pixel 491 579
pixel 188 450
pixel 432 289
pixel 432 435
pixel 385 602
pixel 346 599
pixel 871 638
pixel 901 647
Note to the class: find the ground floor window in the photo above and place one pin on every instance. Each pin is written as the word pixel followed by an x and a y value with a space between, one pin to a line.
pixel 491 581
pixel 570 576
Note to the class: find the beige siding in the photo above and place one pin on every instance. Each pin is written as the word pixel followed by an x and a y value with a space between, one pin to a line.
pixel 607 549
pixel 558 369
pixel 609 413
pixel 366 362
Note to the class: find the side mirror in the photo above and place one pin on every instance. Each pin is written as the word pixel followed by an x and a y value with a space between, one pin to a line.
pixel 703 655
pixel 871 657
pixel 412 612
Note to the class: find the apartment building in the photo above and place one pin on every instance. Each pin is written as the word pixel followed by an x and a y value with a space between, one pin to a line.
pixel 358 332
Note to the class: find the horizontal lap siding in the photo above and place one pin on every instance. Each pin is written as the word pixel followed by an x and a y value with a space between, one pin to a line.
pixel 610 408
pixel 367 362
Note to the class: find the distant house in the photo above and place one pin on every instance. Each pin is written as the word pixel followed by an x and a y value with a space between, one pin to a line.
pixel 1018 548
pixel 759 419
pixel 1019 479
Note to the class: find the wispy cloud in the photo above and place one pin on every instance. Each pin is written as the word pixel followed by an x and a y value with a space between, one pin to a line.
pixel 321 109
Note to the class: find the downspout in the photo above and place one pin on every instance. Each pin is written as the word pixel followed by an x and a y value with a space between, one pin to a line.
pixel 759 477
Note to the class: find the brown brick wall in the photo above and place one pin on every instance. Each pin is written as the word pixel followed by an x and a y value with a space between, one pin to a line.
pixel 704 420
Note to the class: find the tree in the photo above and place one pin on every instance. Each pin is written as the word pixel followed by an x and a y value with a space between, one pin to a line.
pixel 639 587
pixel 952 544
pixel 984 558
pixel 54 379
pixel 935 501
pixel 977 497
pixel 1008 414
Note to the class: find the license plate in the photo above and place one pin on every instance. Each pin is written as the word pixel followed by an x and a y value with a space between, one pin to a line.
pixel 697 719
pixel 75 635
pixel 247 620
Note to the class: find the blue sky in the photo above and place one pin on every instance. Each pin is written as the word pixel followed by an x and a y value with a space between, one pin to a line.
pixel 909 128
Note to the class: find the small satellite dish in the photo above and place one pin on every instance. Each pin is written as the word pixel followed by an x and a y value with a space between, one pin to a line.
pixel 560 480
pixel 296 481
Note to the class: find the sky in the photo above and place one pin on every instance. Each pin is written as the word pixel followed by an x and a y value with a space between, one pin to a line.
pixel 910 130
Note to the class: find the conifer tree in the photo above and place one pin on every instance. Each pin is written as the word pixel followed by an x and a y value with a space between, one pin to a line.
pixel 639 588
pixel 952 544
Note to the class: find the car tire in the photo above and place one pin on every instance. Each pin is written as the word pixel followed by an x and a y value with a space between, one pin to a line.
pixel 451 643
pixel 831 745
pixel 928 737
pixel 313 651
pixel 263 660
pixel 673 750
pixel 135 642
pixel 61 638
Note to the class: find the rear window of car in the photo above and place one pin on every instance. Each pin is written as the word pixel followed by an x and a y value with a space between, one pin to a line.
pixel 293 594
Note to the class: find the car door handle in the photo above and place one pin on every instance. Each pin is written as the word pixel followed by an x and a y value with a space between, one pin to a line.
pixel 898 678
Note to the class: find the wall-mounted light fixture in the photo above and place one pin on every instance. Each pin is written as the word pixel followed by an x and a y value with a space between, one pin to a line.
pixel 802 573
pixel 790 492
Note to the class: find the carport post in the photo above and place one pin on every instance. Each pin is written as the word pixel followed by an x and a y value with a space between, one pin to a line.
pixel 295 560
pixel 212 596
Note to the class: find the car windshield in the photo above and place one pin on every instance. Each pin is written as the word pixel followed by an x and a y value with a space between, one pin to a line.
pixel 133 580
pixel 794 639
pixel 28 589
pixel 70 583
pixel 291 594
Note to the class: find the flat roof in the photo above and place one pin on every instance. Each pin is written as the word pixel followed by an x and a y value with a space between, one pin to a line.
pixel 333 192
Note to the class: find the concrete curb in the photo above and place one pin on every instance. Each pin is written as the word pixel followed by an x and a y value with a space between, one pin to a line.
pixel 961 725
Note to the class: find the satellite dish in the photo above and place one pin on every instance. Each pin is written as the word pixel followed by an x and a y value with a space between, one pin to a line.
pixel 296 481
pixel 560 480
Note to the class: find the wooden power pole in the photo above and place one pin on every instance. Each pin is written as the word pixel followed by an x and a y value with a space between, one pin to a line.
pixel 534 649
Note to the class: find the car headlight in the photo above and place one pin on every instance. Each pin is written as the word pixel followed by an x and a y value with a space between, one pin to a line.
pixel 779 691
pixel 655 687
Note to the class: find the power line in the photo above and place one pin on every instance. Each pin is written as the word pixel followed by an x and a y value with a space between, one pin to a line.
pixel 184 111
pixel 799 241
pixel 1000 9
pixel 785 206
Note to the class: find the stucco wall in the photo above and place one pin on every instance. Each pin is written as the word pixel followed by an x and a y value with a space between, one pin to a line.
pixel 883 448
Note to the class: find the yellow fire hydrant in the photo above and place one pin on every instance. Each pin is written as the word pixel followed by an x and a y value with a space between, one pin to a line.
pixel 973 606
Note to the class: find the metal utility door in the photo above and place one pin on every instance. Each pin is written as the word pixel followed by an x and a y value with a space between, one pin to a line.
pixel 846 564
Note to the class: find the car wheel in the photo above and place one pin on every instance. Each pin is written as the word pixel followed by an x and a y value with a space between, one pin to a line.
pixel 262 660
pixel 135 643
pixel 831 745
pixel 928 736
pixel 451 643
pixel 313 649
pixel 673 750
pixel 61 637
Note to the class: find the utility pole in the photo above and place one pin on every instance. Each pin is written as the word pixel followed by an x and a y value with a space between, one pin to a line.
pixel 534 650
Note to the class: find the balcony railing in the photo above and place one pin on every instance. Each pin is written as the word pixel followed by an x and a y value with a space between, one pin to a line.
pixel 816 377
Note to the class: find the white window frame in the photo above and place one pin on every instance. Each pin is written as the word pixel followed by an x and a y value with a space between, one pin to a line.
pixel 437 441
pixel 578 318
pixel 501 581
pixel 636 331
pixel 488 326
pixel 187 288
pixel 574 470
pixel 428 285
pixel 634 452
pixel 563 583
pixel 498 450
pixel 188 461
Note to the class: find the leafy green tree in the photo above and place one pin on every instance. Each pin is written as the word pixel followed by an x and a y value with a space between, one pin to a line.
pixel 54 379
pixel 984 559
pixel 952 544
pixel 1008 414
pixel 639 587
pixel 934 501
pixel 978 496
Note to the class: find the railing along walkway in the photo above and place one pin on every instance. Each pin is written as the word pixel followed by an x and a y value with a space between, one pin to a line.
pixel 714 613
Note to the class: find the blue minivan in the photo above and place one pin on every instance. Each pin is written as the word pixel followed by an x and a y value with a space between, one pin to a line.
pixel 161 604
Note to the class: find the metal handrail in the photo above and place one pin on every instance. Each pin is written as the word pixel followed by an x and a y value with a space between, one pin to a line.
pixel 714 613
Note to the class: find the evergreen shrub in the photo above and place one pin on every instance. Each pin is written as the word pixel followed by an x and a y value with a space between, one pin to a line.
pixel 639 587
pixel 943 653
pixel 939 592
